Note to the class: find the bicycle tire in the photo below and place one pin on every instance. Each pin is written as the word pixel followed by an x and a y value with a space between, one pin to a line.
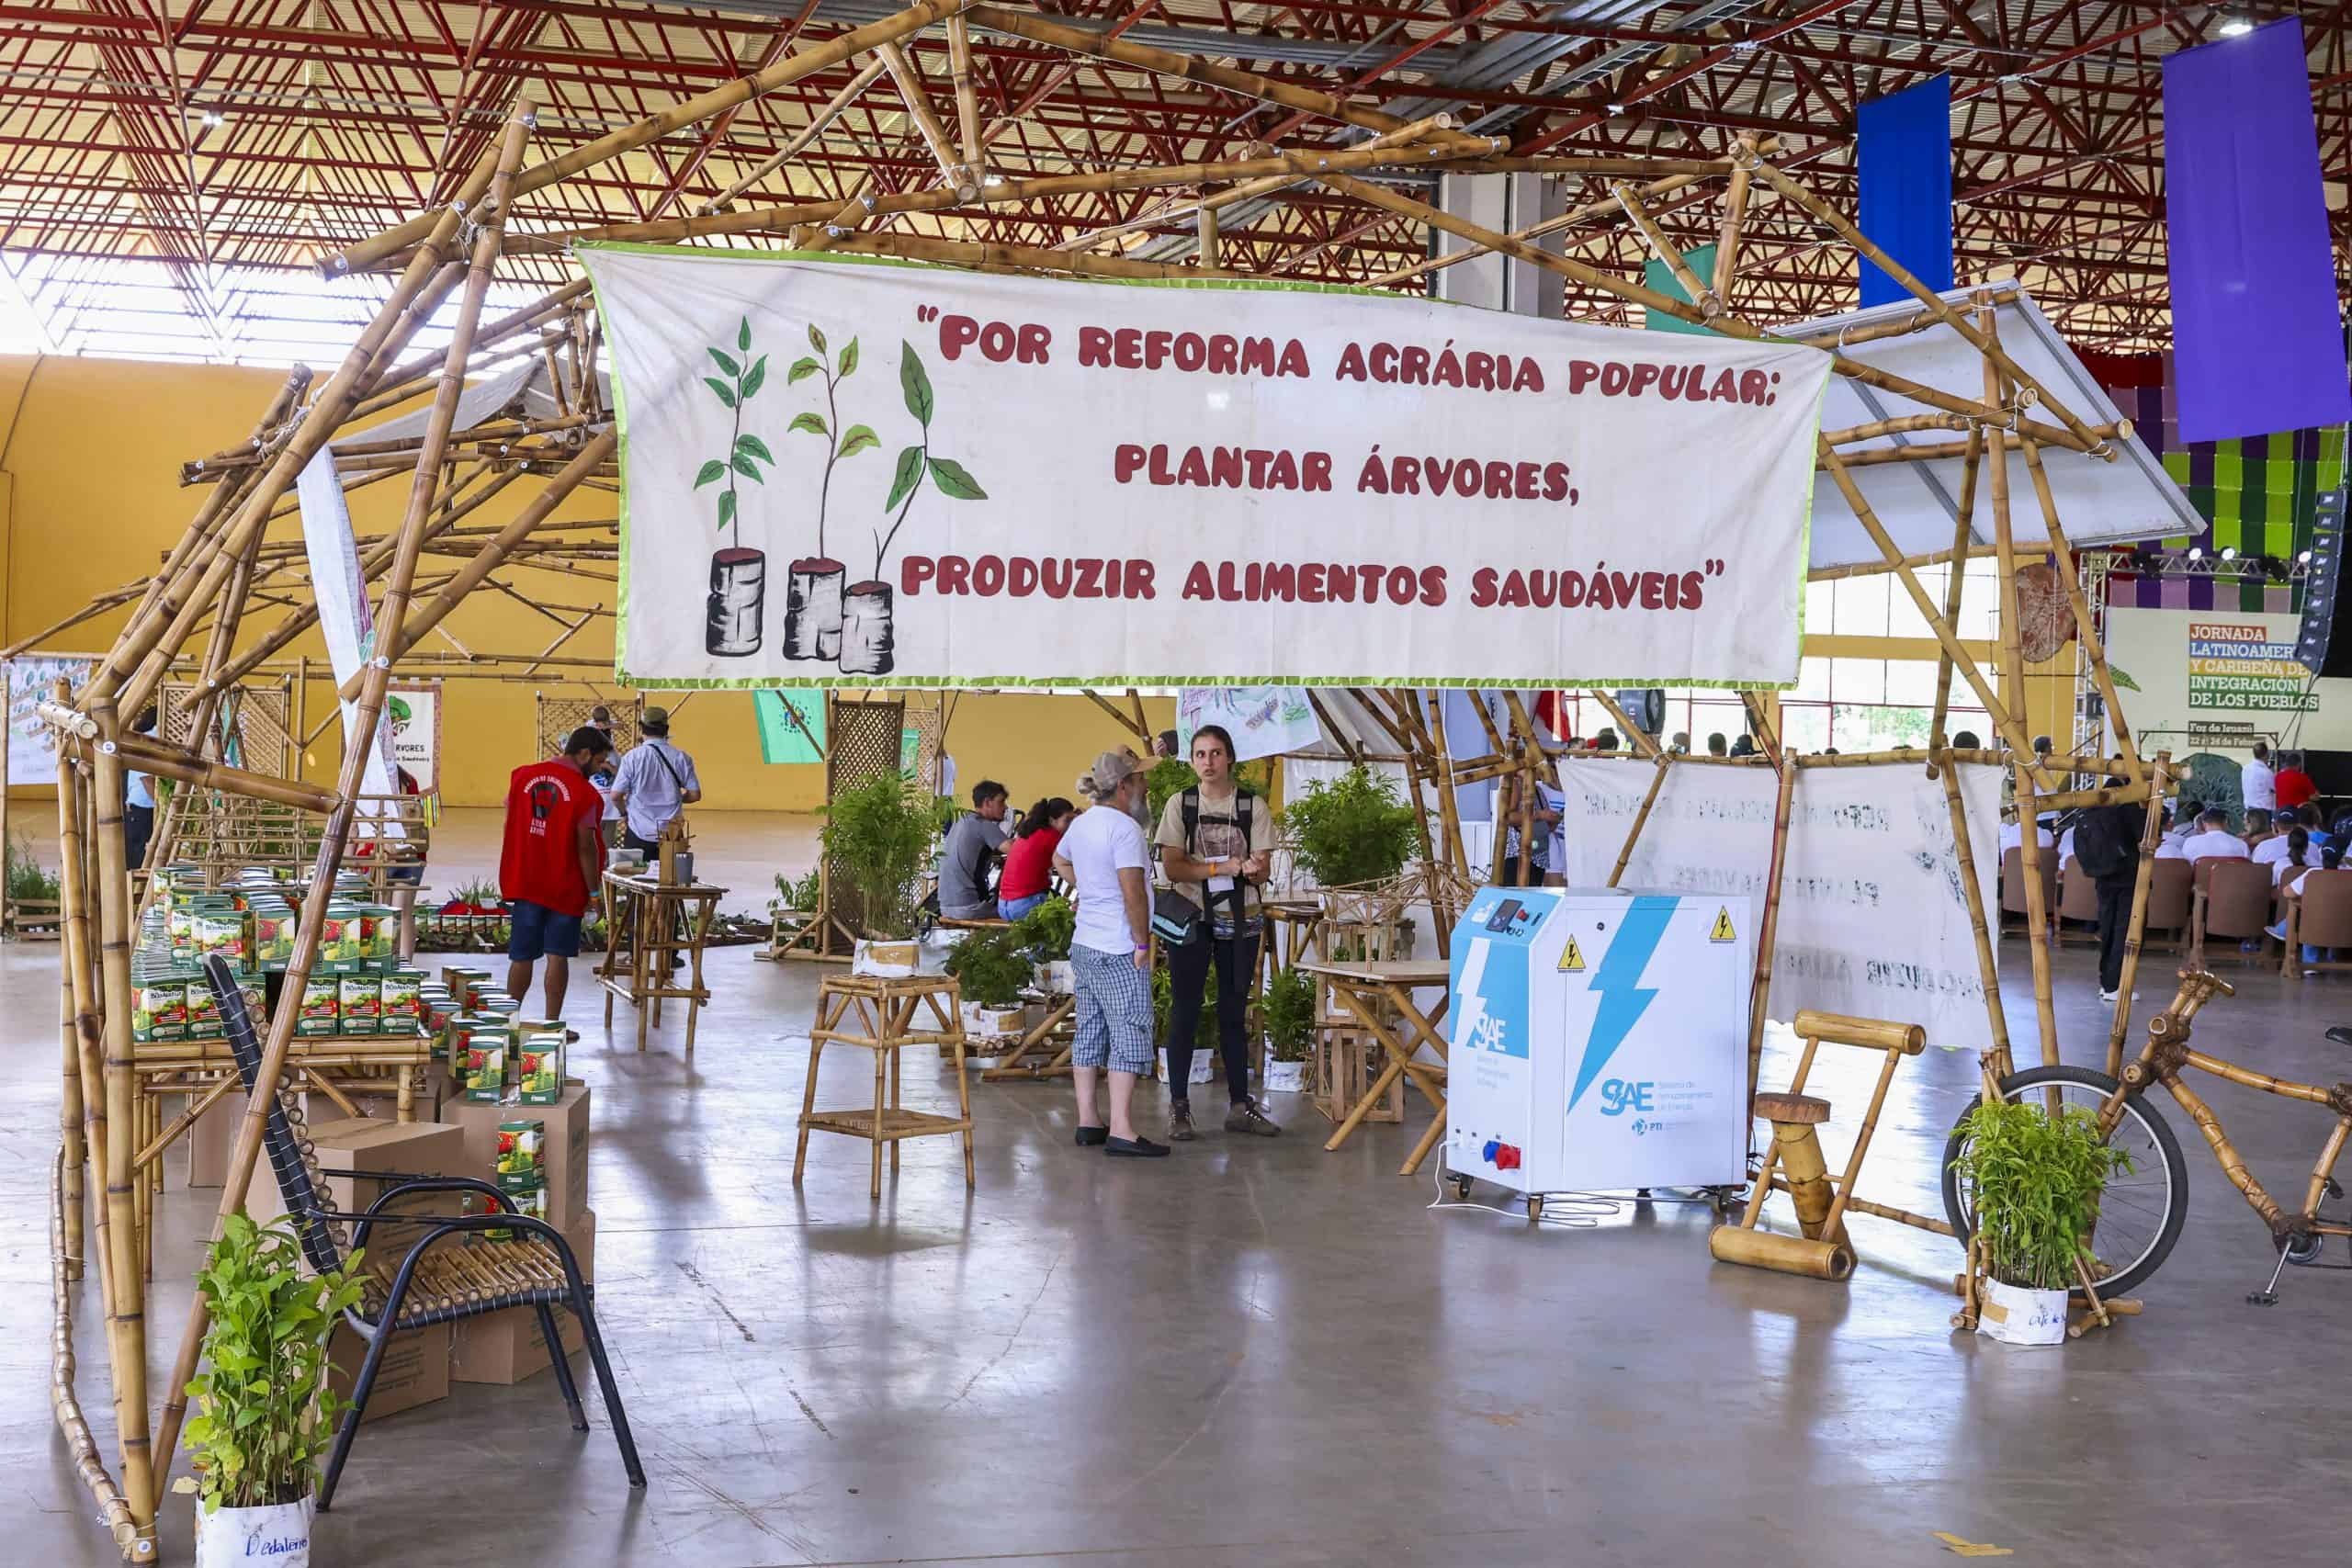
pixel 2160 1136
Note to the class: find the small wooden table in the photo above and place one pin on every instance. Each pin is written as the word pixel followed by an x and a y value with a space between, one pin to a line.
pixel 1361 988
pixel 885 1013
pixel 646 922
pixel 1050 1042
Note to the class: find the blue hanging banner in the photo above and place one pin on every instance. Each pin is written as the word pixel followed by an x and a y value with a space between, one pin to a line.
pixel 1902 145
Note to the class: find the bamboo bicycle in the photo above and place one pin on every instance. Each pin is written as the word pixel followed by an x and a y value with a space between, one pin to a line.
pixel 2142 1213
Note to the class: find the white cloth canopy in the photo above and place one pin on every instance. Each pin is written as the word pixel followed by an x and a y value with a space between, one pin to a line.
pixel 522 389
pixel 2099 503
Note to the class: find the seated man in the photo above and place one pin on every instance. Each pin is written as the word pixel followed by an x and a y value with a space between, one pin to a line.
pixel 2271 850
pixel 2213 839
pixel 973 845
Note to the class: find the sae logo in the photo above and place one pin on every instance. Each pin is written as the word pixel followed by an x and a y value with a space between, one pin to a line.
pixel 1617 1096
pixel 1487 1033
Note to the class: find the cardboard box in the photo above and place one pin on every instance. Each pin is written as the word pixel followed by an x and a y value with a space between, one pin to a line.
pixel 415 1368
pixel 563 1156
pixel 365 1144
pixel 507 1347
pixel 213 1138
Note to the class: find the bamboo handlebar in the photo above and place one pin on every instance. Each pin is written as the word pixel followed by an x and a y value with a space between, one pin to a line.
pixel 1877 1033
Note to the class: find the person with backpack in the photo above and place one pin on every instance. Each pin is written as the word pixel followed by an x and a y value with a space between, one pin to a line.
pixel 1216 844
pixel 2107 848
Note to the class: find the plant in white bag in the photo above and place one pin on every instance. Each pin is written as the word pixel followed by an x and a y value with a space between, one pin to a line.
pixel 738 573
pixel 813 607
pixel 2033 1183
pixel 867 627
pixel 265 1413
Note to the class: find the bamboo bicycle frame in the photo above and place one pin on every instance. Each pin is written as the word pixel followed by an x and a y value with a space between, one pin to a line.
pixel 2160 1061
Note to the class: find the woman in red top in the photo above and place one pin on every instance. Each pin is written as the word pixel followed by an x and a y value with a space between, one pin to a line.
pixel 1029 864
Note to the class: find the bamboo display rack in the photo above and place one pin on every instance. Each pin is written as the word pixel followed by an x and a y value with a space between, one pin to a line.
pixel 870 1012
pixel 186 622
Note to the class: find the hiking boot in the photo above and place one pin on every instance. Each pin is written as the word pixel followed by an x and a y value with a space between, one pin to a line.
pixel 1246 1117
pixel 1180 1122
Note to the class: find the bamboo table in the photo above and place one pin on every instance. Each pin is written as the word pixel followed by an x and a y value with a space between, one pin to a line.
pixel 1360 989
pixel 1288 937
pixel 1052 1041
pixel 885 1013
pixel 646 922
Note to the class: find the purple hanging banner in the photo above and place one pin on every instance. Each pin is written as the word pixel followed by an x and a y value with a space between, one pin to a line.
pixel 2257 340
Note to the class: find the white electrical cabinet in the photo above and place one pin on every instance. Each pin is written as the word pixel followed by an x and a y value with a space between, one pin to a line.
pixel 1600 1039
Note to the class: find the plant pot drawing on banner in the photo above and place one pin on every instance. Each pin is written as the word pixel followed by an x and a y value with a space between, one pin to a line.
pixel 738 572
pixel 813 610
pixel 867 626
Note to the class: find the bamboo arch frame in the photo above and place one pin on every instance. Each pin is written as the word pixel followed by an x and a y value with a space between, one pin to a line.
pixel 223 569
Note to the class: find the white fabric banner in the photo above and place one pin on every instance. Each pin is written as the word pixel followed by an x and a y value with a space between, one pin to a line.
pixel 1264 721
pixel 347 621
pixel 32 744
pixel 851 472
pixel 1873 920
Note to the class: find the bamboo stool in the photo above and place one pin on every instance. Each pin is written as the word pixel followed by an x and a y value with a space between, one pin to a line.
pixel 1820 1200
pixel 1050 1042
pixel 647 921
pixel 884 1025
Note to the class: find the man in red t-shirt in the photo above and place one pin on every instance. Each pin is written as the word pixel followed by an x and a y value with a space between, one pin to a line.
pixel 553 862
pixel 2293 785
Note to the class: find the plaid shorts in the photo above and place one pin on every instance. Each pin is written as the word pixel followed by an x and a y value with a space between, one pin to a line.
pixel 1114 1021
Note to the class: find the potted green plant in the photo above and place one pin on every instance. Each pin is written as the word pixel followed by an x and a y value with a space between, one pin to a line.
pixel 265 1414
pixel 880 834
pixel 1044 932
pixel 991 968
pixel 1288 1009
pixel 1351 830
pixel 1204 1038
pixel 2033 1183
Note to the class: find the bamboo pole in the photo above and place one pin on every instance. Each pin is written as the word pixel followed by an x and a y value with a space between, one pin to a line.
pixel 917 97
pixel 266 430
pixel 413 380
pixel 1448 810
pixel 359 744
pixel 74 1219
pixel 79 958
pixel 1906 425
pixel 1638 739
pixel 203 773
pixel 805 137
pixel 1760 984
pixel 652 128
pixel 1205 230
pixel 967 99
pixel 137 1545
pixel 1982 337
pixel 2143 876
pixel 1726 324
pixel 1702 294
pixel 2010 441
pixel 1633 833
pixel 1759 725
pixel 998 257
pixel 2085 629
pixel 1734 215
pixel 1996 1018
pixel 1964 532
pixel 2037 915
pixel 1573 216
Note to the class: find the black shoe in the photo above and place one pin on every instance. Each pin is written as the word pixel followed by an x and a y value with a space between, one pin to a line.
pixel 1180 1122
pixel 1133 1148
pixel 1089 1136
pixel 1247 1117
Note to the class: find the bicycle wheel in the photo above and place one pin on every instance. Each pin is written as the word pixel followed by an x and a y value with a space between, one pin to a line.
pixel 2141 1215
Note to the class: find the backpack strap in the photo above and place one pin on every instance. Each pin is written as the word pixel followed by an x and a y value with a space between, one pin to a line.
pixel 1192 809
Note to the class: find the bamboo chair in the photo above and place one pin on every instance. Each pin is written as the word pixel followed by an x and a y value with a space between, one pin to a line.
pixel 432 1284
pixel 2320 915
pixel 2168 901
pixel 2232 900
pixel 2077 900
pixel 2013 887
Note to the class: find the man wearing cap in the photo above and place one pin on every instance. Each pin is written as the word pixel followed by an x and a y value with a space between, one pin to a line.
pixel 656 783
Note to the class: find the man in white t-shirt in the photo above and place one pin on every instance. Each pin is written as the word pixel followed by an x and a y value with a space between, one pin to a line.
pixel 2259 782
pixel 2213 839
pixel 1105 861
pixel 2273 850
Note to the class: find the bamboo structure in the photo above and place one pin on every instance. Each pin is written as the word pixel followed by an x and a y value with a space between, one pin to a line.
pixel 193 620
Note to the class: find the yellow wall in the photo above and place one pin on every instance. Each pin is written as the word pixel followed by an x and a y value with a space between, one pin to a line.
pixel 90 488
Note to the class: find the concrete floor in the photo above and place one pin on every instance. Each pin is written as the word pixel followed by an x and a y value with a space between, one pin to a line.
pixel 1256 1353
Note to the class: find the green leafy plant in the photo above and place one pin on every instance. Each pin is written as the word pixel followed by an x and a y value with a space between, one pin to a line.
pixel 1288 1009
pixel 991 968
pixel 799 895
pixel 851 442
pixel 1171 776
pixel 480 892
pixel 745 452
pixel 916 463
pixel 881 834
pixel 27 879
pixel 1045 931
pixel 1354 828
pixel 2034 1184
pixel 265 1414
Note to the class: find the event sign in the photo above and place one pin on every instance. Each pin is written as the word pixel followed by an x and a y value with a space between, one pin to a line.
pixel 412 712
pixel 1873 919
pixel 2199 679
pixel 840 470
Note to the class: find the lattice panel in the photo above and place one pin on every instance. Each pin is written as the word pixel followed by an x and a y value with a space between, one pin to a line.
pixel 258 716
pixel 861 741
pixel 558 716
pixel 925 716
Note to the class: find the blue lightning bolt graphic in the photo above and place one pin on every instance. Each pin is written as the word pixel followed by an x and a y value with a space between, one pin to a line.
pixel 1623 999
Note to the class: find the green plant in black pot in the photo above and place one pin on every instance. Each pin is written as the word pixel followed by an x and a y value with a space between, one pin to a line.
pixel 1351 830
